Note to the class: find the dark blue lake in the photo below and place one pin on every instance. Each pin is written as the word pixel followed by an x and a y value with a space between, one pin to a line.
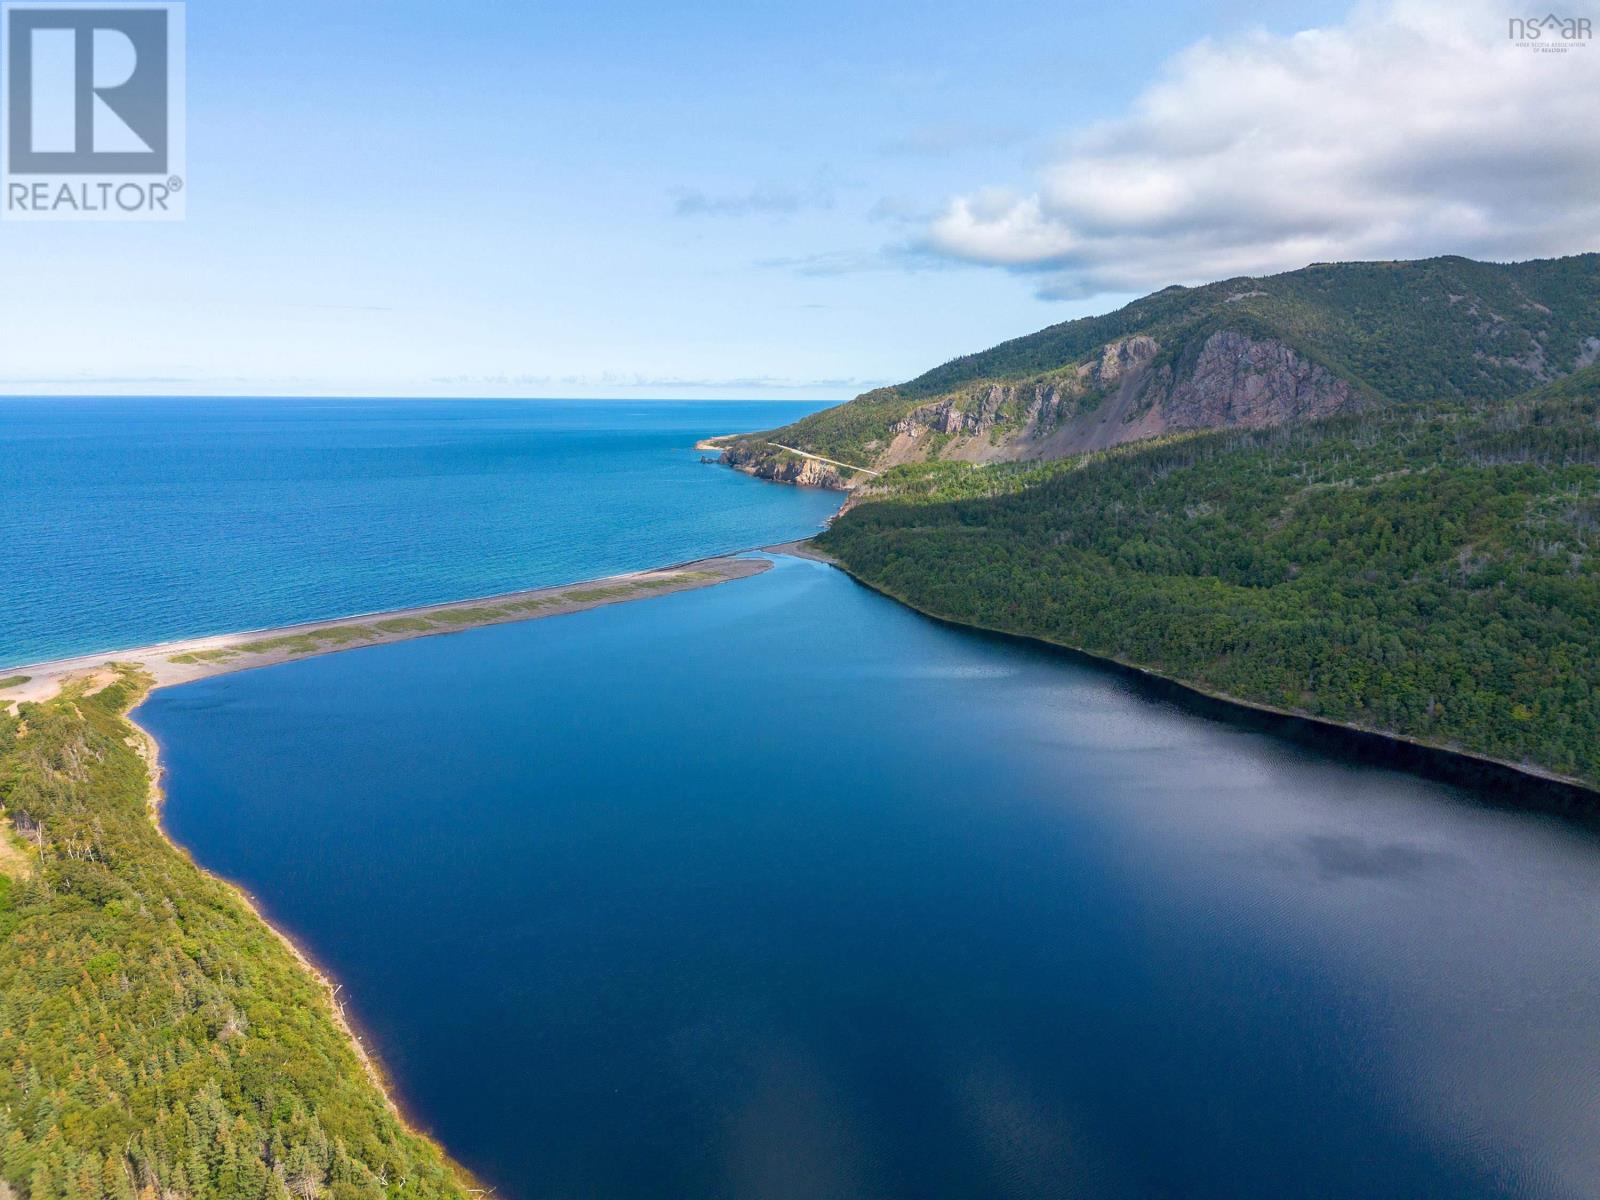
pixel 136 521
pixel 779 890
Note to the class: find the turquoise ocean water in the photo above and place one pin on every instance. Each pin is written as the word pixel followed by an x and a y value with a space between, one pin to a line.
pixel 137 521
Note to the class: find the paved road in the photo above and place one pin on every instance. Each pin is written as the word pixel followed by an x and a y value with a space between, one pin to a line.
pixel 830 461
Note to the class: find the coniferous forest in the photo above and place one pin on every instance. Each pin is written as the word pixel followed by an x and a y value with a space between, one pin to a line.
pixel 158 1040
pixel 1428 569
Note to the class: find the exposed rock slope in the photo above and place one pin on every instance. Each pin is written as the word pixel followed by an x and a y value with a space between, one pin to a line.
pixel 1245 353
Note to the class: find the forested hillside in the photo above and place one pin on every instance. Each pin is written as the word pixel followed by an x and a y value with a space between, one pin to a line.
pixel 158 1040
pixel 1428 569
pixel 1242 353
pixel 1411 330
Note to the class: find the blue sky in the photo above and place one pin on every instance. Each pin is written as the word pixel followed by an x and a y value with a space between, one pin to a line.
pixel 741 200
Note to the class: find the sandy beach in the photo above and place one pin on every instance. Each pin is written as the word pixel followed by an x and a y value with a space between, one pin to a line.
pixel 171 663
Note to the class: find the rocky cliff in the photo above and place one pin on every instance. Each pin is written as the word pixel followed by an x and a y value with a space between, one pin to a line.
pixel 1124 393
pixel 769 462
pixel 1243 353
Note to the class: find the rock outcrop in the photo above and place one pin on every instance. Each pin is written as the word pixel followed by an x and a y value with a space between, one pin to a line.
pixel 1236 381
pixel 1121 395
pixel 767 462
pixel 1246 352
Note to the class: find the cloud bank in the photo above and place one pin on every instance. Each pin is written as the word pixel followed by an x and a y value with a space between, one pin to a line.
pixel 1414 128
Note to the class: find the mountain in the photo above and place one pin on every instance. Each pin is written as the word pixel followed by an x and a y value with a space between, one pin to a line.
pixel 1250 353
pixel 1425 570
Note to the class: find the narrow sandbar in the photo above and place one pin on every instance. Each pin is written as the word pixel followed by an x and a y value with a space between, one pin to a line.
pixel 172 663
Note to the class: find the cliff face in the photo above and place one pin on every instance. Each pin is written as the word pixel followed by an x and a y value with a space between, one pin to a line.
pixel 1121 395
pixel 1241 353
pixel 768 462
pixel 1237 381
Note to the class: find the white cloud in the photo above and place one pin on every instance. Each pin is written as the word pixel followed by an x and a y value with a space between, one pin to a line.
pixel 1414 128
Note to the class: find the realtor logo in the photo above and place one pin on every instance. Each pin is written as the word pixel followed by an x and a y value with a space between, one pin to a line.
pixel 93 111
pixel 1550 34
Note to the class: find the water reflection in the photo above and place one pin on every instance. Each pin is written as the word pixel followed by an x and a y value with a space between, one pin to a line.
pixel 780 890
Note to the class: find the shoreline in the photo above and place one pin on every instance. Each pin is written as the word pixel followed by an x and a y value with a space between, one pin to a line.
pixel 149 749
pixel 229 653
pixel 1449 764
pixel 172 663
pixel 1413 756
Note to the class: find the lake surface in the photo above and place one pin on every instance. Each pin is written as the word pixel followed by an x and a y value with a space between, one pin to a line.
pixel 138 521
pixel 779 890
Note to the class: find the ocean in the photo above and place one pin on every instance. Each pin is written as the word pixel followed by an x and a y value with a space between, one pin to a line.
pixel 777 889
pixel 131 522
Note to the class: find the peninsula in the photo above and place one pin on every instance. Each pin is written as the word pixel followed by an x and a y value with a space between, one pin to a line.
pixel 208 1057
